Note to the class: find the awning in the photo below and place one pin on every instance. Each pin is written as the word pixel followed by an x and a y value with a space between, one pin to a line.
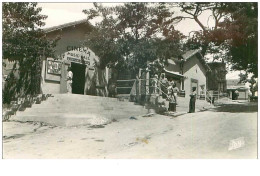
pixel 174 74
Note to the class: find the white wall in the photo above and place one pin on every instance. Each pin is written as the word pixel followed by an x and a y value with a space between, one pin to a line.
pixel 49 87
pixel 194 69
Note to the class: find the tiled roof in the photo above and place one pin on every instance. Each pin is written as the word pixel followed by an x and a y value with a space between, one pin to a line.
pixel 54 28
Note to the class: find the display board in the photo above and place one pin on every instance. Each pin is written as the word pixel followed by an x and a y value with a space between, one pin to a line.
pixel 53 67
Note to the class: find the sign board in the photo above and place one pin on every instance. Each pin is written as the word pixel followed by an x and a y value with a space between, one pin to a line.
pixel 53 67
pixel 81 55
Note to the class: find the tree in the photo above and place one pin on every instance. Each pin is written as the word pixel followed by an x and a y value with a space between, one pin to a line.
pixel 24 43
pixel 233 36
pixel 241 30
pixel 131 35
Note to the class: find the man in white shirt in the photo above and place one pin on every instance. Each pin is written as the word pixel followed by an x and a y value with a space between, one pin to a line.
pixel 69 80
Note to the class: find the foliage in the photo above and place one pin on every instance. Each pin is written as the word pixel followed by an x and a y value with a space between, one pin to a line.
pixel 24 43
pixel 133 34
pixel 232 38
pixel 243 78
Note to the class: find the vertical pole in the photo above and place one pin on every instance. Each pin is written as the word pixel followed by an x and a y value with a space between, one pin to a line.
pixel 205 92
pixel 139 86
pixel 147 86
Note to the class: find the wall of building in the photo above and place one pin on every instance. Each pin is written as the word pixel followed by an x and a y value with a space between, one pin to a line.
pixel 70 48
pixel 193 69
pixel 49 86
pixel 70 37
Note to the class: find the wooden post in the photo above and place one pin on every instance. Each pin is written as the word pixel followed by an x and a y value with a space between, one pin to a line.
pixel 147 84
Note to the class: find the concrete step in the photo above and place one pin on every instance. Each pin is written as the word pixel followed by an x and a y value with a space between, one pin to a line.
pixel 93 111
pixel 69 110
pixel 81 97
pixel 87 101
pixel 61 119
pixel 85 106
pixel 46 108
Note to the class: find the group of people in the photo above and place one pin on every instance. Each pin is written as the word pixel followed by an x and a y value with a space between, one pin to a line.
pixel 169 91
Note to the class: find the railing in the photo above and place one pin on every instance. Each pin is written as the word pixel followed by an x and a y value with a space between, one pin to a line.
pixel 209 97
pixel 212 96
pixel 136 87
pixel 126 87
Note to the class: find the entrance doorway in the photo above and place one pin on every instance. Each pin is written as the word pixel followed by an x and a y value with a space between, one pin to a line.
pixel 78 80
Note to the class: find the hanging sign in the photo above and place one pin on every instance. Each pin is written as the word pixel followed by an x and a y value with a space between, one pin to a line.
pixel 81 55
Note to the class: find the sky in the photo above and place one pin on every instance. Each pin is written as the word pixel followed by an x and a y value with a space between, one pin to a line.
pixel 60 13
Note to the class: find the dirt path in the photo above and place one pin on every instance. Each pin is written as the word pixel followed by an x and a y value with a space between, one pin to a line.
pixel 198 135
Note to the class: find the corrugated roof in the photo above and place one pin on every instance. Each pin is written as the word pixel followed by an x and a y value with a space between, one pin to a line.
pixel 54 28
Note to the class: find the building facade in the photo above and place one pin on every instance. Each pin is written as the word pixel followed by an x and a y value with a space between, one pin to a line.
pixel 234 85
pixel 70 51
pixel 188 71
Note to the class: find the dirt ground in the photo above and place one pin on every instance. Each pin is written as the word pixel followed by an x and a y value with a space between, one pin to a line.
pixel 207 134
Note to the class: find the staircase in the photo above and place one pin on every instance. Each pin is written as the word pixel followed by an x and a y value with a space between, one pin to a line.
pixel 73 109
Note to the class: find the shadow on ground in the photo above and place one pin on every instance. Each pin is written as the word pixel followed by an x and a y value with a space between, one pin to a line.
pixel 236 108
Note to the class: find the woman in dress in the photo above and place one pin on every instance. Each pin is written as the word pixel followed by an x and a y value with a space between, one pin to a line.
pixel 193 96
pixel 164 85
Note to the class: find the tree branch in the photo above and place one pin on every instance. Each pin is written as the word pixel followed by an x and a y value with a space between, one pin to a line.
pixel 183 17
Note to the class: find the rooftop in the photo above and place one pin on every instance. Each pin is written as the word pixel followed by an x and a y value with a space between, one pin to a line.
pixel 66 25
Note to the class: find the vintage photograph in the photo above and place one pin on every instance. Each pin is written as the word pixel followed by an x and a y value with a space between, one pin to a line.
pixel 130 80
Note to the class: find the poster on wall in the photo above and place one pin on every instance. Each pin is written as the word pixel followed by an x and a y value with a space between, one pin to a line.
pixel 54 67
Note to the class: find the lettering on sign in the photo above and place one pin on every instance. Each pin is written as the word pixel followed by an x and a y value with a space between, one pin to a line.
pixel 77 60
pixel 80 55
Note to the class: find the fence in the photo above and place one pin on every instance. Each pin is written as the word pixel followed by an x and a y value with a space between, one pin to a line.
pixel 140 88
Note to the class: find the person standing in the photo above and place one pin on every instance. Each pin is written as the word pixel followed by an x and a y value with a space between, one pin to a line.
pixel 112 86
pixel 69 80
pixel 236 95
pixel 164 85
pixel 171 98
pixel 175 91
pixel 155 84
pixel 192 100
